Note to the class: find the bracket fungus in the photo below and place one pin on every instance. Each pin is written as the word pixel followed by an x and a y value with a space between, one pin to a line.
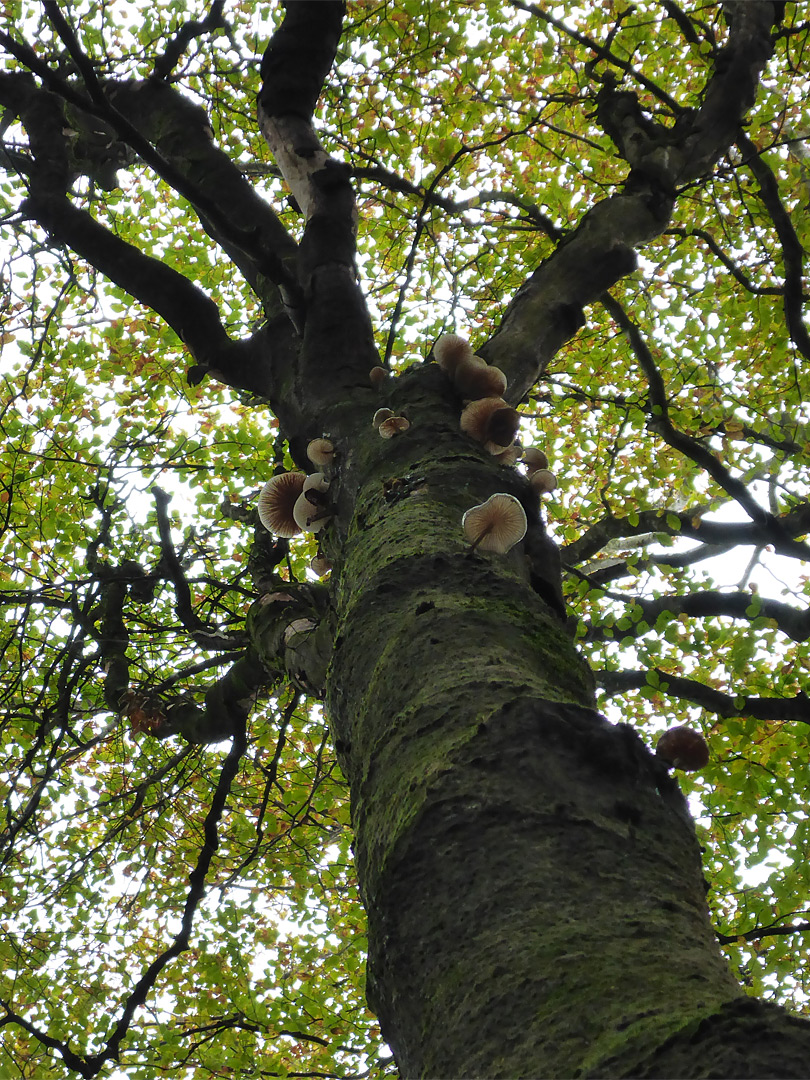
pixel 683 748
pixel 394 425
pixel 321 451
pixel 277 500
pixel 311 510
pixel 495 525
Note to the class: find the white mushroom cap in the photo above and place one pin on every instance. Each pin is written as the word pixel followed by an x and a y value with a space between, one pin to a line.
pixel 543 481
pixel 450 350
pixel 309 511
pixel 276 501
pixel 496 525
pixel 321 451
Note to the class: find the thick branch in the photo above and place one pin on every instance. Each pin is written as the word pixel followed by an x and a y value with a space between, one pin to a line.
pixel 547 310
pixel 792 622
pixel 338 347
pixel 672 523
pixel 725 705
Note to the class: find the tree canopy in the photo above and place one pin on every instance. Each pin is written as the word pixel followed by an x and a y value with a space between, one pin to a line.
pixel 610 202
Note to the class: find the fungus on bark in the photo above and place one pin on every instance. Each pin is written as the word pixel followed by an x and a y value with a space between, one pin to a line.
pixel 543 481
pixel 449 350
pixel 394 425
pixel 377 377
pixel 683 748
pixel 276 503
pixel 534 458
pixel 320 565
pixel 311 510
pixel 508 456
pixel 321 452
pixel 491 421
pixel 379 416
pixel 474 378
pixel 495 525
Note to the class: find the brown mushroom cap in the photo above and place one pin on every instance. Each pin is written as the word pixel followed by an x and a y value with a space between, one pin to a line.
pixel 543 480
pixel 449 350
pixel 394 425
pixel 508 456
pixel 379 416
pixel 377 377
pixel 534 458
pixel 492 421
pixel 495 525
pixel 276 501
pixel 320 565
pixel 684 748
pixel 474 378
pixel 321 451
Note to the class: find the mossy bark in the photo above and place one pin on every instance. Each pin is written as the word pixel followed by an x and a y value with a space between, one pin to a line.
pixel 532 879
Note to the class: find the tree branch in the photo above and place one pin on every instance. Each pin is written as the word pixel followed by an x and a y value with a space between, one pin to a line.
pixel 547 309
pixel 724 705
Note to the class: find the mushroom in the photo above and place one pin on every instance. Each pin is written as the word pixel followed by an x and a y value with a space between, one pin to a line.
pixel 508 456
pixel 311 511
pixel 491 421
pixel 542 480
pixel 534 458
pixel 320 565
pixel 377 377
pixel 393 426
pixel 474 378
pixel 496 525
pixel 449 350
pixel 321 451
pixel 379 416
pixel 683 748
pixel 276 501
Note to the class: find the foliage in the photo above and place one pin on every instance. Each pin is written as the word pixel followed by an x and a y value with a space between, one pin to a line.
pixel 472 134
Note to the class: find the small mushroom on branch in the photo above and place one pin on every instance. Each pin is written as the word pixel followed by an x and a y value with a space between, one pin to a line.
pixel 321 451
pixel 379 416
pixel 474 378
pixel 543 481
pixel 320 565
pixel 683 748
pixel 491 421
pixel 394 425
pixel 449 350
pixel 277 500
pixel 377 377
pixel 495 525
pixel 534 458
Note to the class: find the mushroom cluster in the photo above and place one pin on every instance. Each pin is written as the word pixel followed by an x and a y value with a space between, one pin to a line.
pixel 487 418
pixel 291 503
